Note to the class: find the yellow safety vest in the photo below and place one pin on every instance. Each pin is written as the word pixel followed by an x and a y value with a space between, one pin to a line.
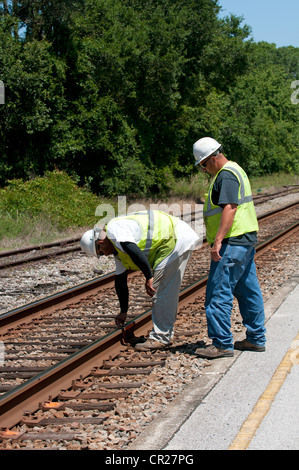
pixel 245 219
pixel 158 237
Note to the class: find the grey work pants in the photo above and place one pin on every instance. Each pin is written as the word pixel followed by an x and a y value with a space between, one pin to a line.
pixel 167 282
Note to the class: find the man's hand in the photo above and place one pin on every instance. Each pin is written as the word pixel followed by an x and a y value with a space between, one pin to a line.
pixel 149 287
pixel 215 250
pixel 121 318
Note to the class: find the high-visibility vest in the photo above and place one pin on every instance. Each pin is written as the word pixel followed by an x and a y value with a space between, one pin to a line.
pixel 158 237
pixel 245 218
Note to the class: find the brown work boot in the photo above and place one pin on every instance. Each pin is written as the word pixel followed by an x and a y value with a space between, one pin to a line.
pixel 247 346
pixel 212 352
pixel 150 345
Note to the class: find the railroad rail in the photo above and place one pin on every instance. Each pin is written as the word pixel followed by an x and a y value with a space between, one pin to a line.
pixel 98 356
pixel 70 245
pixel 13 317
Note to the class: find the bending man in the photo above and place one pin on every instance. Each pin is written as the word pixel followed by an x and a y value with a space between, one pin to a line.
pixel 160 246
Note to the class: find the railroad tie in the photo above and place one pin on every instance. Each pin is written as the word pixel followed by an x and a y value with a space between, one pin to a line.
pixel 97 372
pixel 61 406
pixel 77 384
pixel 32 421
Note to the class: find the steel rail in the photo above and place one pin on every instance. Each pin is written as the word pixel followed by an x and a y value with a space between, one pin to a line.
pixel 278 237
pixel 32 259
pixel 48 304
pixel 270 214
pixel 27 396
pixel 12 317
pixel 43 246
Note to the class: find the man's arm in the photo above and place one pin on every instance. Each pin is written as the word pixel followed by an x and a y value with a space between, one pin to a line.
pixel 225 195
pixel 122 291
pixel 226 221
pixel 139 258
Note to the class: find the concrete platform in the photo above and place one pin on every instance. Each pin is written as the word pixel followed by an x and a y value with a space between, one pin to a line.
pixel 250 401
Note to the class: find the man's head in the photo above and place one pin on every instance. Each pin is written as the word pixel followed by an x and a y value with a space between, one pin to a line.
pixel 96 243
pixel 208 154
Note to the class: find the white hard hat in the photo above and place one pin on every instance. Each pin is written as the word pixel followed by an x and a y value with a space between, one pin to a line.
pixel 88 241
pixel 203 148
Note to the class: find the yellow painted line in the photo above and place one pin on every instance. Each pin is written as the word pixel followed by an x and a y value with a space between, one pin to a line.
pixel 263 405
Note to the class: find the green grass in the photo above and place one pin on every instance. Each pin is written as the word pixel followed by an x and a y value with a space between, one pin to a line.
pixel 43 209
pixel 52 207
pixel 196 186
pixel 192 188
pixel 275 180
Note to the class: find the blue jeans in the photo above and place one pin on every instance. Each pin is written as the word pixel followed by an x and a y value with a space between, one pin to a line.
pixel 234 275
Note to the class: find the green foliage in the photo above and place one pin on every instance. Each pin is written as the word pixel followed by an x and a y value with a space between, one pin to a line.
pixel 117 91
pixel 261 126
pixel 34 82
pixel 54 197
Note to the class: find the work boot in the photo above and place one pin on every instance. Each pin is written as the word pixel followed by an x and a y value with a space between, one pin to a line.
pixel 212 352
pixel 247 346
pixel 150 345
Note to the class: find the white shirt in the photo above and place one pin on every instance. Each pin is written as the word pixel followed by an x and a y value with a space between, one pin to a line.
pixel 127 230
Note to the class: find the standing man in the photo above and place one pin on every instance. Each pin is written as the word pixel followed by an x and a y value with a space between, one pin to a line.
pixel 231 230
pixel 160 246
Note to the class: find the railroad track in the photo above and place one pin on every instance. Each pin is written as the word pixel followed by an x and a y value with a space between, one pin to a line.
pixel 38 252
pixel 92 377
pixel 13 317
pixel 35 253
pixel 285 190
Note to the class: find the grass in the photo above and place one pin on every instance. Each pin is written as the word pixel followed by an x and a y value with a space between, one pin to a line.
pixel 192 188
pixel 54 207
pixel 275 180
pixel 26 231
pixel 43 209
pixel 196 186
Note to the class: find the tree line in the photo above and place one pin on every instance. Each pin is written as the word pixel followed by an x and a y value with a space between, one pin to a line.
pixel 115 92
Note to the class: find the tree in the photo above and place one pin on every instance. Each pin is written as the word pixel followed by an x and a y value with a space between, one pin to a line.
pixel 33 80
pixel 117 91
pixel 150 62
pixel 261 124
